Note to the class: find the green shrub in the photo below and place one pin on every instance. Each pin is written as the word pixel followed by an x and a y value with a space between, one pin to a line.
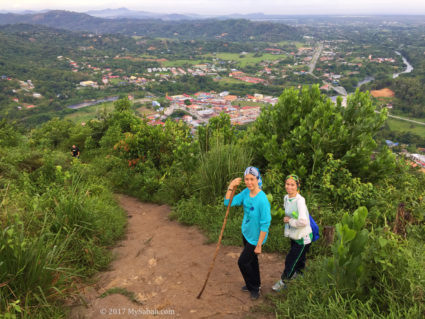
pixel 346 268
pixel 9 135
pixel 218 167
pixel 374 274
pixel 57 223
pixel 32 268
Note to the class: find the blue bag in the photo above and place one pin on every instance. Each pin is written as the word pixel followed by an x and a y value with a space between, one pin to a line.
pixel 314 228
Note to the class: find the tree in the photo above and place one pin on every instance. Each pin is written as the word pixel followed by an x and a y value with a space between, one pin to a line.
pixel 218 127
pixel 8 134
pixel 54 133
pixel 122 105
pixel 298 133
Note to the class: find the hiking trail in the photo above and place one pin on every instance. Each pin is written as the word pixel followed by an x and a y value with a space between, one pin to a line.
pixel 165 264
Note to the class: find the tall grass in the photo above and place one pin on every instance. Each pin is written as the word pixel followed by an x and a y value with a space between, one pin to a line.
pixel 57 222
pixel 33 269
pixel 218 167
pixel 205 208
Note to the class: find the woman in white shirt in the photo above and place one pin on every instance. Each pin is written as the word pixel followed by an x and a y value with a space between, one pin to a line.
pixel 297 228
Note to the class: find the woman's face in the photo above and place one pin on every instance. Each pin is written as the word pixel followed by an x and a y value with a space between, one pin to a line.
pixel 251 182
pixel 291 187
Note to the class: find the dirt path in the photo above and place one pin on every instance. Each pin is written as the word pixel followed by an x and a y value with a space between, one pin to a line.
pixel 165 264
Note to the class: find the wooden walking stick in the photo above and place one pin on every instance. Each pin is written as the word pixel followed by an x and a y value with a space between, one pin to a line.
pixel 219 241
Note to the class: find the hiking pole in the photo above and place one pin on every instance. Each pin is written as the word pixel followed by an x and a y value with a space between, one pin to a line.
pixel 219 241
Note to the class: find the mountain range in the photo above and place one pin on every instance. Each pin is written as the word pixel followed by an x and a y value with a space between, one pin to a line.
pixel 154 26
pixel 120 13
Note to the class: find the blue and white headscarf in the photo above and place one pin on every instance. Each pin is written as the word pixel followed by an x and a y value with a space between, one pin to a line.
pixel 255 172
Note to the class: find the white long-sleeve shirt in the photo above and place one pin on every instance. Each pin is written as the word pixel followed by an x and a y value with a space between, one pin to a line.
pixel 299 222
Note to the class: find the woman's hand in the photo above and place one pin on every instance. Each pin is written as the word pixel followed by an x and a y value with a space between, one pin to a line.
pixel 232 186
pixel 286 219
pixel 257 250
pixel 235 182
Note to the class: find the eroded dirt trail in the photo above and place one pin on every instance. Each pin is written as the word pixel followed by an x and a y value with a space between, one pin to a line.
pixel 165 264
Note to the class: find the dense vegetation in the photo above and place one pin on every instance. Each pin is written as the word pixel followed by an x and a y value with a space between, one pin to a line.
pixel 58 215
pixel 230 30
pixel 409 95
pixel 58 218
pixel 43 55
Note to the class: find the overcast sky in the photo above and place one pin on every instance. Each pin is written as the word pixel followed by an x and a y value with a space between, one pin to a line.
pixel 349 7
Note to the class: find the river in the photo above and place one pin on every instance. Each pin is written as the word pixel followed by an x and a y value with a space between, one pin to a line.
pixel 365 80
pixel 409 67
pixel 85 104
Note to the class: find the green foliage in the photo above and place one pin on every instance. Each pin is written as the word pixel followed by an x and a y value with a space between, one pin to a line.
pixel 218 127
pixel 406 187
pixel 32 268
pixel 122 105
pixel 346 268
pixel 236 29
pixel 8 134
pixel 52 134
pixel 395 269
pixel 141 156
pixel 153 144
pixel 372 274
pixel 339 187
pixel 410 95
pixel 58 215
pixel 330 147
pixel 59 134
pixel 303 127
pixel 57 221
pixel 180 176
pixel 218 167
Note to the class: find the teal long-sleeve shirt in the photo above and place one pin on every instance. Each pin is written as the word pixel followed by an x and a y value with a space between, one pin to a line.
pixel 256 215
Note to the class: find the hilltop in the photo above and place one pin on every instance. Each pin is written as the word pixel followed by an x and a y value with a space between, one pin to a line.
pixel 229 30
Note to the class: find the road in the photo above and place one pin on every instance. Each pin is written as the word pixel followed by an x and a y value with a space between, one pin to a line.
pixel 404 119
pixel 316 56
pixel 338 89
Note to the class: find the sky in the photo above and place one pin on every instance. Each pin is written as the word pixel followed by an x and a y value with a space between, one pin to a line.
pixel 220 7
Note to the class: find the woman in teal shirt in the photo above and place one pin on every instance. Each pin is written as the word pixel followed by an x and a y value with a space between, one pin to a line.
pixel 255 226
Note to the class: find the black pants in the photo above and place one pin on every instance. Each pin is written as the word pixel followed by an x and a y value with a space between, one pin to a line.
pixel 295 260
pixel 250 269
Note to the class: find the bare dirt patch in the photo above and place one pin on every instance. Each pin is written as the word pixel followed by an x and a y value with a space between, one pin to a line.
pixel 164 264
pixel 386 92
pixel 145 111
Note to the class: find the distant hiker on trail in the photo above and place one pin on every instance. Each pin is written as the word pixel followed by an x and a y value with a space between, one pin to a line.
pixel 255 226
pixel 298 229
pixel 75 151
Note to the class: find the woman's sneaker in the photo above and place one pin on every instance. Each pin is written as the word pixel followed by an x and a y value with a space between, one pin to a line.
pixel 279 285
pixel 255 295
pixel 245 288
pixel 297 274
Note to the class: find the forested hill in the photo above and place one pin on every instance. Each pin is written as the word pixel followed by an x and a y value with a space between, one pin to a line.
pixel 231 30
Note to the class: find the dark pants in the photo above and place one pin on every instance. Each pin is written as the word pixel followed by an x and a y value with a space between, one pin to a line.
pixel 250 269
pixel 295 260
